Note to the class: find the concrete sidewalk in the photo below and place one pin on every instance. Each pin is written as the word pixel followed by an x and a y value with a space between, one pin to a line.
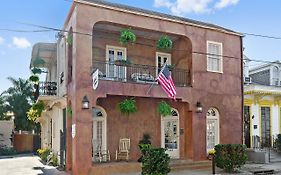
pixel 26 165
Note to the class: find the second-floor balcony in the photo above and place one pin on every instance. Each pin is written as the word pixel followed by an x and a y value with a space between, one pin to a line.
pixel 135 73
pixel 46 90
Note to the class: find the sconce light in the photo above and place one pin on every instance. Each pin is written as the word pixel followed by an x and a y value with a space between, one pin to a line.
pixel 85 103
pixel 199 108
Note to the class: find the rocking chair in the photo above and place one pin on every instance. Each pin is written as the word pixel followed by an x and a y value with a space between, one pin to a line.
pixel 124 149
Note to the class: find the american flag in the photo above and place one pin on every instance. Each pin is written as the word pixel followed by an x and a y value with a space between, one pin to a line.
pixel 165 80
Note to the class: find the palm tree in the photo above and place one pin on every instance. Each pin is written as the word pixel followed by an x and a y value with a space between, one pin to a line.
pixel 19 98
pixel 3 107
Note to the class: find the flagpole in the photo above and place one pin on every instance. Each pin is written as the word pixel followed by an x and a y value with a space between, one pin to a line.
pixel 156 78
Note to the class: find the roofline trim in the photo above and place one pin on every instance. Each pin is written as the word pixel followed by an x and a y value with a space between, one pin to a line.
pixel 157 17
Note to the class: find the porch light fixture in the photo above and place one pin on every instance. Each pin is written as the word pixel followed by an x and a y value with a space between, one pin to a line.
pixel 85 103
pixel 199 107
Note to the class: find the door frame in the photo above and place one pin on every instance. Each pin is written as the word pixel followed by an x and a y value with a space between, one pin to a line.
pixel 104 146
pixel 169 58
pixel 217 134
pixel 177 153
pixel 108 47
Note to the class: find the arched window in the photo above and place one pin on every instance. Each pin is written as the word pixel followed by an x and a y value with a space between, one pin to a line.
pixel 212 128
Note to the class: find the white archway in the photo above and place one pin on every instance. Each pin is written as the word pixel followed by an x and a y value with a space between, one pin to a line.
pixel 212 128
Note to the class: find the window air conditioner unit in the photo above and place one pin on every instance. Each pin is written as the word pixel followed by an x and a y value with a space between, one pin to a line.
pixel 247 80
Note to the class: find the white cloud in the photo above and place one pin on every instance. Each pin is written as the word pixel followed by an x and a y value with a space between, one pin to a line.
pixel 225 3
pixel 181 7
pixel 21 43
pixel 1 40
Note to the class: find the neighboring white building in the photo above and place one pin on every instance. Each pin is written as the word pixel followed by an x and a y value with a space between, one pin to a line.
pixel 53 93
pixel 262 103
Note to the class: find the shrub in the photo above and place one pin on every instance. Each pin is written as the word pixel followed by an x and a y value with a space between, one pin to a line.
pixel 278 142
pixel 5 151
pixel 230 157
pixel 155 161
pixel 144 143
pixel 44 153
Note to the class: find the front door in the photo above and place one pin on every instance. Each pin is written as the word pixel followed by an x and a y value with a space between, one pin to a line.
pixel 265 127
pixel 247 125
pixel 170 134
pixel 212 129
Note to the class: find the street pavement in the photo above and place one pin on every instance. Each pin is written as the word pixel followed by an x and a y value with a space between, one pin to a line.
pixel 26 165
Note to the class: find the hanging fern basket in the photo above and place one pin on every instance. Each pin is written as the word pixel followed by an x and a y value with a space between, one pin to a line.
pixel 34 78
pixel 127 36
pixel 164 43
pixel 164 109
pixel 127 106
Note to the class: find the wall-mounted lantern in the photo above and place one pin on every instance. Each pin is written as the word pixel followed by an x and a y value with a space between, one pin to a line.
pixel 85 103
pixel 199 107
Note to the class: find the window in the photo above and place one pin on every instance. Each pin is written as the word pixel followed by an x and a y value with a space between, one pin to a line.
pixel 161 59
pixel 214 58
pixel 212 128
pixel 275 77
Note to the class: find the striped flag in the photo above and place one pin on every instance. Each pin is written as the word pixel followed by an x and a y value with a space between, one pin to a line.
pixel 165 80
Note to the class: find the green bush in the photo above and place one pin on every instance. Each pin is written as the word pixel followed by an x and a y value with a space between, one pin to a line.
pixel 44 153
pixel 4 151
pixel 278 142
pixel 164 109
pixel 155 161
pixel 230 157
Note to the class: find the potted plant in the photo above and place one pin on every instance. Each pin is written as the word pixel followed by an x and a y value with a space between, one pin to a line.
pixel 164 109
pixel 122 62
pixel 36 110
pixel 171 66
pixel 144 143
pixel 127 106
pixel 36 70
pixel 34 78
pixel 211 153
pixel 127 36
pixel 164 43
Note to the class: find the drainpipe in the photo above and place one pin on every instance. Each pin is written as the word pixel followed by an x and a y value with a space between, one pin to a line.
pixel 242 86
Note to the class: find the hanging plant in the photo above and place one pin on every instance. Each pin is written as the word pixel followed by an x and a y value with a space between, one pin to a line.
pixel 34 78
pixel 124 62
pixel 36 110
pixel 127 106
pixel 164 109
pixel 164 43
pixel 127 36
pixel 36 70
pixel 69 39
pixel 69 111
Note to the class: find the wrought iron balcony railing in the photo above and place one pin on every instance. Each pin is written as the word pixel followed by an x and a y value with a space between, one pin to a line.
pixel 135 73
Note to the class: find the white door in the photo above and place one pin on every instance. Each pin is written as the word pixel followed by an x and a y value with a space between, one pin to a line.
pixel 170 134
pixel 112 54
pixel 99 130
pixel 161 59
pixel 212 129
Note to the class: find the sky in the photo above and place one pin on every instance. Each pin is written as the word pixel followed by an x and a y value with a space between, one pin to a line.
pixel 246 16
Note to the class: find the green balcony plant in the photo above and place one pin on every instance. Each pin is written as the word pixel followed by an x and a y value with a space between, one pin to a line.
pixel 122 62
pixel 164 43
pixel 127 36
pixel 34 78
pixel 36 70
pixel 127 106
pixel 36 110
pixel 164 109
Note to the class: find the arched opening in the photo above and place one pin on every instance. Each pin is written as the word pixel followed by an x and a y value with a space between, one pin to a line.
pixel 170 134
pixel 99 140
pixel 212 128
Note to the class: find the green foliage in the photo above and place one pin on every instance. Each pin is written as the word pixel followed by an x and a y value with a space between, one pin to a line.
pixel 127 106
pixel 36 110
pixel 18 98
pixel 69 39
pixel 3 108
pixel 69 111
pixel 36 70
pixel 278 142
pixel 53 160
pixel 154 161
pixel 164 43
pixel 127 36
pixel 123 62
pixel 164 109
pixel 44 153
pixel 171 66
pixel 34 78
pixel 4 151
pixel 230 157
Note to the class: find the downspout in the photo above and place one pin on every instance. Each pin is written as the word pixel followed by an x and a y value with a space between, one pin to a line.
pixel 242 87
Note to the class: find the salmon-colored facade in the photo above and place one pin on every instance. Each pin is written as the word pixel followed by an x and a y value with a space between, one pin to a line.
pixel 96 26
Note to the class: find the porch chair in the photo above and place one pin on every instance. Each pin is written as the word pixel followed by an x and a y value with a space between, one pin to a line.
pixel 99 154
pixel 124 149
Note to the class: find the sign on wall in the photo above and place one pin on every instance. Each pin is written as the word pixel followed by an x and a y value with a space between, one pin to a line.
pixel 95 77
pixel 73 130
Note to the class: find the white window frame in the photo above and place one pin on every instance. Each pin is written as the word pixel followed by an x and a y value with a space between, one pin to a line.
pixel 116 48
pixel 162 54
pixel 221 57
